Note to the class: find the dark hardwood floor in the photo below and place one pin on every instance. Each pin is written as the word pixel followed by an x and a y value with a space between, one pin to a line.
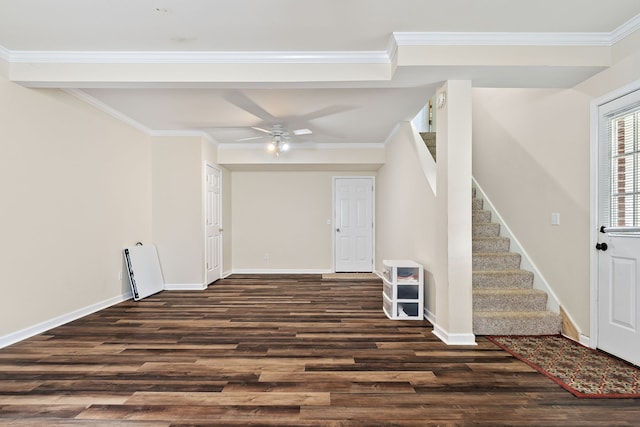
pixel 276 351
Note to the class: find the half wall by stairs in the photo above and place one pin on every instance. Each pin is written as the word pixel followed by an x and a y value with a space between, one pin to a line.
pixel 504 300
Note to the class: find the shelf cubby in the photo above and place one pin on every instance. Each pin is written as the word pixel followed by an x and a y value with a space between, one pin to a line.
pixel 403 289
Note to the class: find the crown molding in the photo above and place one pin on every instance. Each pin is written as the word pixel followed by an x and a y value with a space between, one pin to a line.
pixel 329 57
pixel 175 57
pixel 105 108
pixel 133 123
pixel 518 39
pixel 5 53
pixel 501 39
pixel 626 29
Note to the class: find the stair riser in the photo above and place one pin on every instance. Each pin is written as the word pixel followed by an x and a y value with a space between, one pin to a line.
pixel 490 245
pixel 481 216
pixel 477 204
pixel 502 280
pixel 537 302
pixel 505 261
pixel 524 325
pixel 488 230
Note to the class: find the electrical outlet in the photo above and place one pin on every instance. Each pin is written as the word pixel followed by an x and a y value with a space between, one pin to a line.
pixel 555 218
pixel 266 257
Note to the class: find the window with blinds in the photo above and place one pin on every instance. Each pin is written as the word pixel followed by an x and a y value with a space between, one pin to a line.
pixel 624 168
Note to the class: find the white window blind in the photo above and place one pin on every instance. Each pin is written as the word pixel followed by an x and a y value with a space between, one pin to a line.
pixel 622 206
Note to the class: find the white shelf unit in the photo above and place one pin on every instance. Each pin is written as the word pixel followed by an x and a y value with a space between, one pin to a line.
pixel 403 289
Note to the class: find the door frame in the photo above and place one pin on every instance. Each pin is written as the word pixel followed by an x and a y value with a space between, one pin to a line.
pixel 594 177
pixel 334 214
pixel 204 217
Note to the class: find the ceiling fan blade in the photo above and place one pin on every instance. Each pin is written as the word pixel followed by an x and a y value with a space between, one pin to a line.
pixel 262 130
pixel 303 131
pixel 242 101
pixel 250 138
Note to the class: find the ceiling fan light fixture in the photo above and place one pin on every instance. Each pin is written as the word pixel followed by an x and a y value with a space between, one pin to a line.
pixel 278 145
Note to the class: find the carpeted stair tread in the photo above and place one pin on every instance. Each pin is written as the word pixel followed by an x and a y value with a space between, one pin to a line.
pixel 485 229
pixel 505 279
pixel 495 261
pixel 509 300
pixel 480 216
pixel 490 244
pixel 516 323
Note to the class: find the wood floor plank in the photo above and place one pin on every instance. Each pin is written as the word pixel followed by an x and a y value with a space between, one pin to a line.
pixel 412 377
pixel 231 399
pixel 276 350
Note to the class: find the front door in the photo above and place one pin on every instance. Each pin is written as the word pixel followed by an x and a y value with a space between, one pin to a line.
pixel 619 237
pixel 353 207
pixel 213 224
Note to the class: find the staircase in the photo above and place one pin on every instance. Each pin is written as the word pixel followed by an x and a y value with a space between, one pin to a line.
pixel 429 139
pixel 504 300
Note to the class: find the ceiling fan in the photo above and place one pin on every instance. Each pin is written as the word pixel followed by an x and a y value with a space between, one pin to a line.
pixel 279 137
pixel 275 128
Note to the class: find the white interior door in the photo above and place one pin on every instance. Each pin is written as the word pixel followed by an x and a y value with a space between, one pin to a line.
pixel 619 241
pixel 213 209
pixel 353 202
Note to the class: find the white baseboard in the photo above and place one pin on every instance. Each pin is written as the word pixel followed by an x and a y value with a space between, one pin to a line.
pixel 278 271
pixel 585 340
pixel 453 339
pixel 430 316
pixel 185 286
pixel 31 331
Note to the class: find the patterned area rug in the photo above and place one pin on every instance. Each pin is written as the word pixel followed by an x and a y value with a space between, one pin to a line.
pixel 581 370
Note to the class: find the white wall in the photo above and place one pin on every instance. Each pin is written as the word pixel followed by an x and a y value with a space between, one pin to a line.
pixel 406 210
pixel 76 189
pixel 282 216
pixel 178 221
pixel 178 208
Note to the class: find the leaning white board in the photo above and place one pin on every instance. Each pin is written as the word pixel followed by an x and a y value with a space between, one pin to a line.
pixel 143 268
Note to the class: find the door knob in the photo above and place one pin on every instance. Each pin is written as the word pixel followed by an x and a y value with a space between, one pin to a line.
pixel 337 230
pixel 602 246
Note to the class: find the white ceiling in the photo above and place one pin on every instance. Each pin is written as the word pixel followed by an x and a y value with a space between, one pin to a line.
pixel 336 111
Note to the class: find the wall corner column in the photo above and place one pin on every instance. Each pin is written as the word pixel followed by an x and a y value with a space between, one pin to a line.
pixel 453 170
